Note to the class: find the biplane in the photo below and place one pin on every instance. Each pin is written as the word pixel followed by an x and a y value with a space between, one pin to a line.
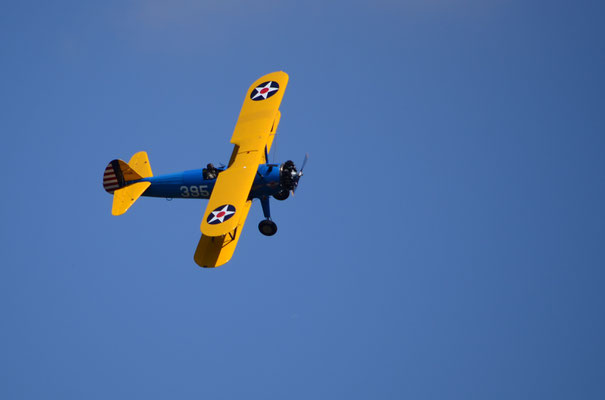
pixel 230 190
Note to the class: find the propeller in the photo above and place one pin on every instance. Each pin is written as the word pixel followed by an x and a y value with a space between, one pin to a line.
pixel 300 173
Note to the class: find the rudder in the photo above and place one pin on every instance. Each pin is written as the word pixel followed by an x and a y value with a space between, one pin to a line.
pixel 119 173
pixel 113 178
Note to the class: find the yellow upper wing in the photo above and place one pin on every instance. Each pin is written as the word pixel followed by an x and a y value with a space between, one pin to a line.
pixel 254 130
pixel 269 140
pixel 258 113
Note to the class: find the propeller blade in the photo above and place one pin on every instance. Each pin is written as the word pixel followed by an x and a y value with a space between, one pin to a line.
pixel 304 162
pixel 300 173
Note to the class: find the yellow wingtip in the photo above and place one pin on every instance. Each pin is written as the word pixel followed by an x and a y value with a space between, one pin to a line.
pixel 214 251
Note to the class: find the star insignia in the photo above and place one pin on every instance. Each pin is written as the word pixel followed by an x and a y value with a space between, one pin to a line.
pixel 264 90
pixel 221 214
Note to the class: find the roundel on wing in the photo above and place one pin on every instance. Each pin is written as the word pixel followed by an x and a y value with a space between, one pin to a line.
pixel 221 214
pixel 264 90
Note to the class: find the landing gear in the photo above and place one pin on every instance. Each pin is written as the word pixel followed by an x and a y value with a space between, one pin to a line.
pixel 282 195
pixel 266 227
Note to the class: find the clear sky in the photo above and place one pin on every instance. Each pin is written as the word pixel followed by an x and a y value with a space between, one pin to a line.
pixel 446 242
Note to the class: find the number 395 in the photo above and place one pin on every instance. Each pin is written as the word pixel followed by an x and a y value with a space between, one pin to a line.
pixel 194 191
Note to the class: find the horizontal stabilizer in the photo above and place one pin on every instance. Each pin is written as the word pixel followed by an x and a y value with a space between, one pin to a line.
pixel 140 163
pixel 125 197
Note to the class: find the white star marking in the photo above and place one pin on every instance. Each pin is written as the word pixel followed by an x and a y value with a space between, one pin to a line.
pixel 223 214
pixel 264 95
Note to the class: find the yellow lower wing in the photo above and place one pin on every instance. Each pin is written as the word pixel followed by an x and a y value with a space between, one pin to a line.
pixel 231 190
pixel 213 251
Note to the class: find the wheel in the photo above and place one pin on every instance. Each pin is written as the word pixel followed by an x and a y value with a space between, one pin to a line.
pixel 282 195
pixel 267 227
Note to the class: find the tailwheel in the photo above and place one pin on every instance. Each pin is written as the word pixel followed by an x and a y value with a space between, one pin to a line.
pixel 267 227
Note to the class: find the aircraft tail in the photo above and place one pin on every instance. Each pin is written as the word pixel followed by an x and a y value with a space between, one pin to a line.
pixel 118 180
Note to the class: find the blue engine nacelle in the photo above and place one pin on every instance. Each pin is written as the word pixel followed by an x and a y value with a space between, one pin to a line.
pixel 275 180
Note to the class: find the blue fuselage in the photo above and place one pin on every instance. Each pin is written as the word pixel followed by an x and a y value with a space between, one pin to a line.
pixel 192 185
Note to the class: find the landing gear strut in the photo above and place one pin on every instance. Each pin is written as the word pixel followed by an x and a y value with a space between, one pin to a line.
pixel 266 226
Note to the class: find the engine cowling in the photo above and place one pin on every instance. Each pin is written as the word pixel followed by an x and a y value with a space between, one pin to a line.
pixel 288 176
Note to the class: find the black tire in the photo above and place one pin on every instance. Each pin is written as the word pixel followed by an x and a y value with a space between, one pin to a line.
pixel 282 195
pixel 267 227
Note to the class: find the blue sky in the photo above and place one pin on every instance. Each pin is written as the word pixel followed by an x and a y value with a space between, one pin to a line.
pixel 447 240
